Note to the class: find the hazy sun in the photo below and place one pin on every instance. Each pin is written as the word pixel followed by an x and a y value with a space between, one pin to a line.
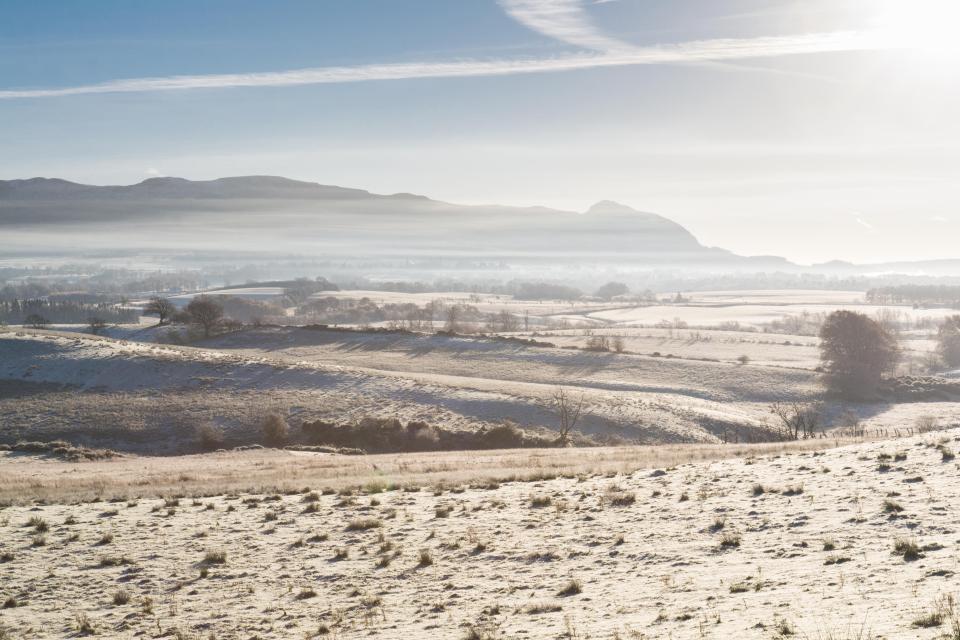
pixel 928 25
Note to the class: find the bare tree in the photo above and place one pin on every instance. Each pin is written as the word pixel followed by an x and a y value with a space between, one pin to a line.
pixel 453 319
pixel 569 410
pixel 160 307
pixel 598 343
pixel 798 420
pixel 206 313
pixel 36 321
pixel 96 325
pixel 508 321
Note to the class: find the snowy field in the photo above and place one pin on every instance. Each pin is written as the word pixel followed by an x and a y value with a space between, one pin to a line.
pixel 857 542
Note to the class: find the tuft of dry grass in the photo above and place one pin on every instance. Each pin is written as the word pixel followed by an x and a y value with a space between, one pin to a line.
pixel 573 587
pixel 364 524
pixel 907 548
pixel 215 556
pixel 424 558
pixel 538 502
pixel 730 540
pixel 891 506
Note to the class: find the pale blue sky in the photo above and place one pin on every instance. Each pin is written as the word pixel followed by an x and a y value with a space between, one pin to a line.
pixel 827 129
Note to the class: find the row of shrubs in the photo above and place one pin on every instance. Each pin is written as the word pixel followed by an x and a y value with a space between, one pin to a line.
pixel 387 435
pixel 60 449
pixel 370 435
pixel 383 435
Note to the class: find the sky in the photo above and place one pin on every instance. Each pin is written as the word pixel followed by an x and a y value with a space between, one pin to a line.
pixel 810 129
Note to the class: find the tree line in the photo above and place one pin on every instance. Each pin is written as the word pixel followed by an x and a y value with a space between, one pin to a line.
pixel 919 294
pixel 44 312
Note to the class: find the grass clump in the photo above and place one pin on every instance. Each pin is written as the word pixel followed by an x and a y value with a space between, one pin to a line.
pixel 364 524
pixel 730 540
pixel 424 558
pixel 83 625
pixel 892 506
pixel 572 588
pixel 215 556
pixel 39 524
pixel 907 548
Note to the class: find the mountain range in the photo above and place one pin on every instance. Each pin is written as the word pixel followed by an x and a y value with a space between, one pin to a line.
pixel 267 213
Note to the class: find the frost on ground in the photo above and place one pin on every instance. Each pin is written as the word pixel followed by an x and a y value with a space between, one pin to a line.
pixel 111 386
pixel 855 542
pixel 150 398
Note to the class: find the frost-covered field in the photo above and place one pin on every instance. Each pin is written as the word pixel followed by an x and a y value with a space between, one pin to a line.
pixel 667 385
pixel 251 293
pixel 149 397
pixel 855 542
pixel 112 386
pixel 709 314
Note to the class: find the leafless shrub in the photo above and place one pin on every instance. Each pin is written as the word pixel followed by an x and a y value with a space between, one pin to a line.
pixel 797 420
pixel 569 410
pixel 275 430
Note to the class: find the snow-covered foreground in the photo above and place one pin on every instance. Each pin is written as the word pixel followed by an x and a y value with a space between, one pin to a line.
pixel 856 542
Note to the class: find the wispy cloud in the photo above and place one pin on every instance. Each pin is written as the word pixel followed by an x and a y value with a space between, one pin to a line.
pixel 564 20
pixel 688 52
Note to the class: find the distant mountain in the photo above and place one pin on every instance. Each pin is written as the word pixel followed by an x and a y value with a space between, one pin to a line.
pixel 266 211
pixel 273 213
pixel 248 187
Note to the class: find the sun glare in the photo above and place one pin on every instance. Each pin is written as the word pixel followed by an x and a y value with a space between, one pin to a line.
pixel 926 25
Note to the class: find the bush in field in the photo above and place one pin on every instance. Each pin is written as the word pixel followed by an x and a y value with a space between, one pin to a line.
pixel 210 437
pixel 856 352
pixel 275 430
pixel 948 341
pixel 96 325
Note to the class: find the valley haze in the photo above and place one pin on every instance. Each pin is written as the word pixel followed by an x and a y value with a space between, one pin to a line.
pixel 277 215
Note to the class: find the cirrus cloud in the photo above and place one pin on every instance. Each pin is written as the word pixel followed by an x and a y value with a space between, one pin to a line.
pixel 565 20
